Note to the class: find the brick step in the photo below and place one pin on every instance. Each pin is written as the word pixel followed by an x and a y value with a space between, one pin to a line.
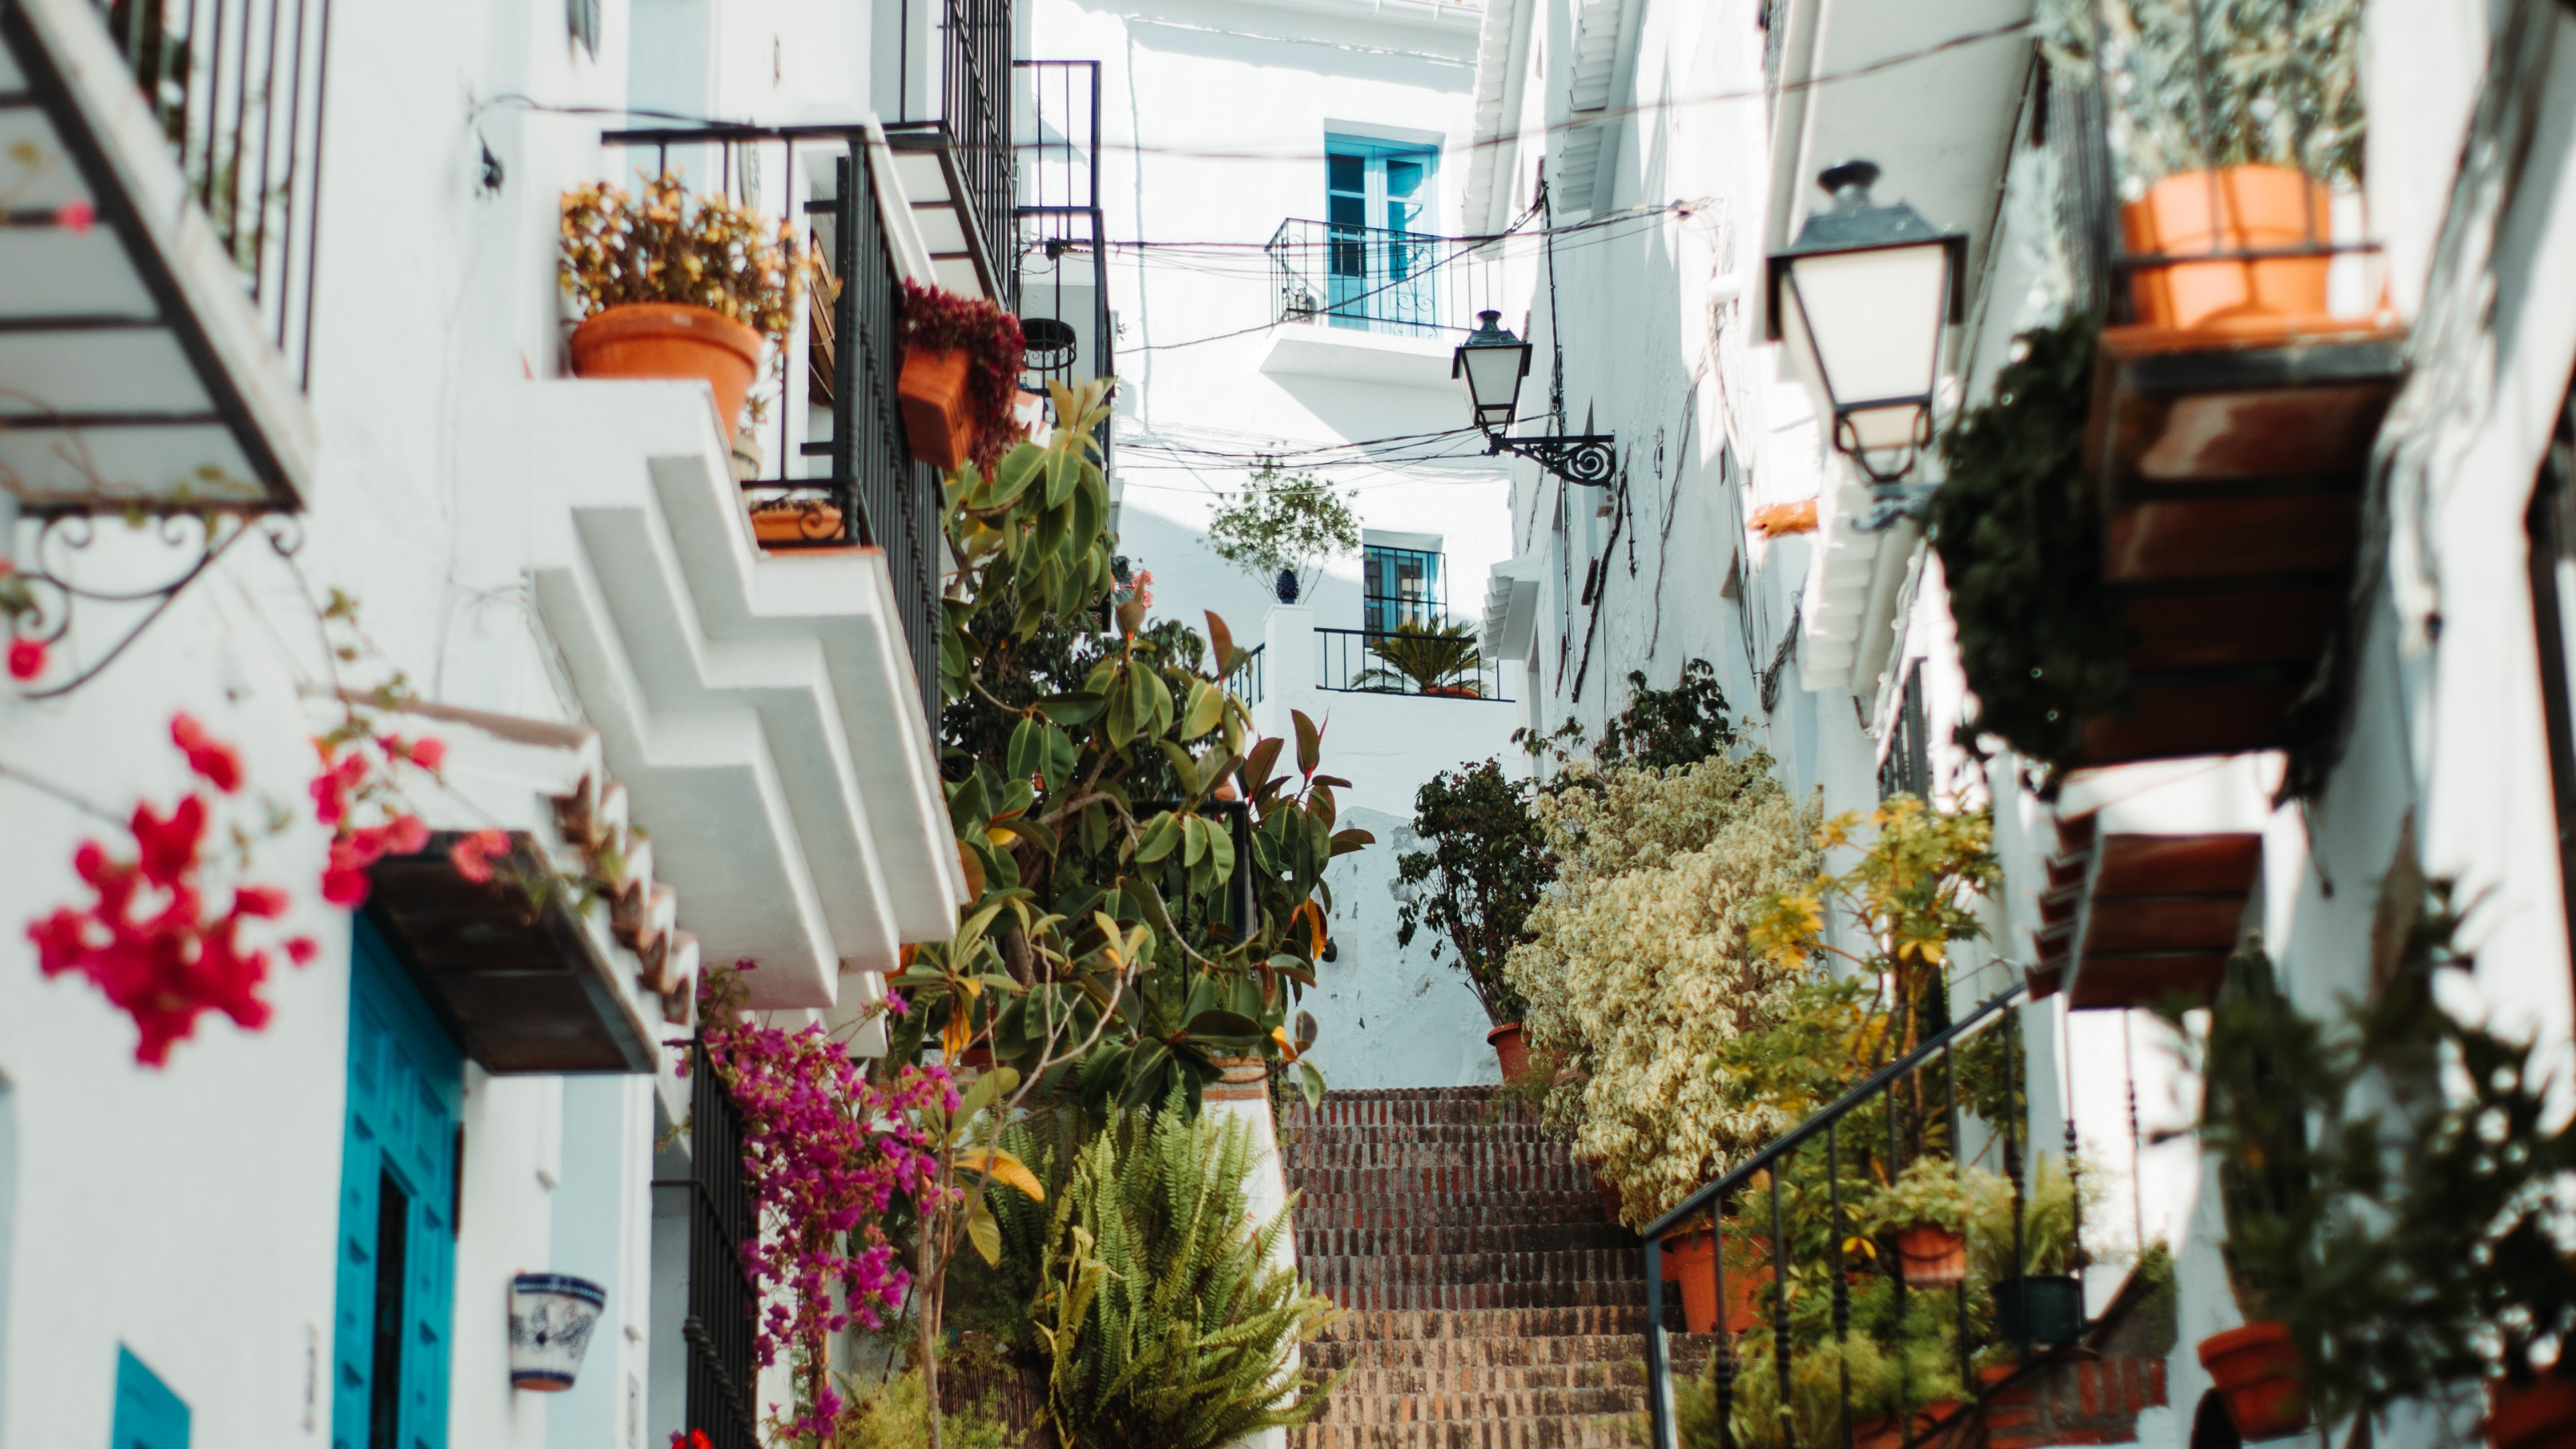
pixel 1474 1355
pixel 1612 1263
pixel 1599 1431
pixel 1416 1241
pixel 1469 1165
pixel 1404 1325
pixel 1471 1297
pixel 1344 1212
pixel 1492 1183
pixel 1366 1381
pixel 1501 1134
pixel 1473 1408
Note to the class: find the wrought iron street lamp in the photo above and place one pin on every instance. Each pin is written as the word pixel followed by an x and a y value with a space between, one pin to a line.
pixel 1492 363
pixel 1863 298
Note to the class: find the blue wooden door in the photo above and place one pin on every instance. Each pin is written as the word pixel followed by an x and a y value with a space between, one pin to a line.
pixel 397 1239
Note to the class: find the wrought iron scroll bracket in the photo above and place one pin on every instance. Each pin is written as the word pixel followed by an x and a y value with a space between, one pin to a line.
pixel 1588 459
pixel 37 599
pixel 1894 503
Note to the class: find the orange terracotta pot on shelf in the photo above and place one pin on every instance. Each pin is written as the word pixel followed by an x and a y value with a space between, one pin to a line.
pixel 1511 1048
pixel 671 340
pixel 2256 1370
pixel 2537 1415
pixel 938 420
pixel 2233 209
pixel 796 523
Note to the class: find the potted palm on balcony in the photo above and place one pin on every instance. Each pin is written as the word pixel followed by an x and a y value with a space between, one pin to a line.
pixel 1441 660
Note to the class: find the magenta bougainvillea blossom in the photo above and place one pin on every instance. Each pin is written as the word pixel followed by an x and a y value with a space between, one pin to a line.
pixel 825 1148
pixel 151 940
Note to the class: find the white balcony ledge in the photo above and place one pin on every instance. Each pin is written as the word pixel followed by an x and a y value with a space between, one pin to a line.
pixel 761 709
pixel 134 368
pixel 1852 589
pixel 1353 354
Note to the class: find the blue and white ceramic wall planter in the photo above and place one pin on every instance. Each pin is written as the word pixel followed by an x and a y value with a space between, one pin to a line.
pixel 551 1316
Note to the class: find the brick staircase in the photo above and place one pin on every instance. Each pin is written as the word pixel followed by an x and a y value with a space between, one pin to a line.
pixel 1489 1301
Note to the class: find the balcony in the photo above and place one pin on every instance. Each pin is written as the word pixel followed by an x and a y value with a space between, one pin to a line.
pixel 829 467
pixel 1368 279
pixel 1063 247
pixel 1408 661
pixel 162 166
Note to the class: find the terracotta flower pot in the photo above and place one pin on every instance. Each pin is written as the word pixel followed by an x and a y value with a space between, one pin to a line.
pixel 2537 1415
pixel 1931 1256
pixel 938 420
pixel 1454 691
pixel 671 340
pixel 1690 1259
pixel 796 523
pixel 1510 1048
pixel 2249 208
pixel 2256 1370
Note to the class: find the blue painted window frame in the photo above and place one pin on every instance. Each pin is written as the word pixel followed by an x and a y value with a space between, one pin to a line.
pixel 406 1097
pixel 148 1414
pixel 1378 280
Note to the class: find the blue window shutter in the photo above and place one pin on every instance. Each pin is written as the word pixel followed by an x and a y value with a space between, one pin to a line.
pixel 405 1098
pixel 148 1415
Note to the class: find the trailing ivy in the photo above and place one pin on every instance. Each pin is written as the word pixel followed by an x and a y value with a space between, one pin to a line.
pixel 2038 639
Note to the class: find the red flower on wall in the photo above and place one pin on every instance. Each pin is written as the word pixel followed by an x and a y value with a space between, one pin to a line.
pixel 150 940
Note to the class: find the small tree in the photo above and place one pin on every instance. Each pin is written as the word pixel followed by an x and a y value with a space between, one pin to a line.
pixel 1477 882
pixel 1283 523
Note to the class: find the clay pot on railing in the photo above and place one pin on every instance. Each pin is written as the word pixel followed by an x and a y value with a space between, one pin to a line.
pixel 938 418
pixel 2235 209
pixel 2257 1372
pixel 1511 1049
pixel 2537 1415
pixel 1931 1256
pixel 671 340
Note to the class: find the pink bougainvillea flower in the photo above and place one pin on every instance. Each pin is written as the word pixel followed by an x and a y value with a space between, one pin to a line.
pixel 429 752
pixel 218 762
pixel 26 658
pixel 407 835
pixel 472 856
pixel 75 216
pixel 301 950
pixel 345 886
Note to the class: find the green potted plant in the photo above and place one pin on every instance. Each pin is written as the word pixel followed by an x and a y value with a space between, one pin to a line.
pixel 671 286
pixel 2038 638
pixel 2030 1266
pixel 1441 660
pixel 2237 118
pixel 960 378
pixel 1926 1212
pixel 1282 526
pixel 2408 1252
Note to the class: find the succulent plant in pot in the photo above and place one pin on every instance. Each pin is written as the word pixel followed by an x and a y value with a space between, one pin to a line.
pixel 675 286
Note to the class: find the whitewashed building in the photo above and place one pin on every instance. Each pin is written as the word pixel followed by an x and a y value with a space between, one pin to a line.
pixel 2397 697
pixel 278 288
pixel 1285 185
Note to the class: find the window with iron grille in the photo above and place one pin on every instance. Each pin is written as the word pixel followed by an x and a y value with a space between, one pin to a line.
pixel 721 1300
pixel 1907 767
pixel 1401 586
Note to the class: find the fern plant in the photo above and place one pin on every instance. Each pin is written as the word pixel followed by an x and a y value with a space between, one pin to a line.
pixel 1441 657
pixel 1164 1321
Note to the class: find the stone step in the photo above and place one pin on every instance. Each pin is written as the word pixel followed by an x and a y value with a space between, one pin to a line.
pixel 1317 1241
pixel 1599 1431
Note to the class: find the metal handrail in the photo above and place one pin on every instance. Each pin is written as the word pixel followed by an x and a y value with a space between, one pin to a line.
pixel 1709 1201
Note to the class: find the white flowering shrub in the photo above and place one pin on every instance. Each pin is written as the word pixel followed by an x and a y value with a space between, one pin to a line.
pixel 1637 970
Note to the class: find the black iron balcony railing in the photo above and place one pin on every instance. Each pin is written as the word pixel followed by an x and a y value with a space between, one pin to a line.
pixel 828 467
pixel 975 105
pixel 1245 683
pixel 1379 661
pixel 238 88
pixel 717 1331
pixel 1403 283
pixel 1062 261
pixel 1819 1300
